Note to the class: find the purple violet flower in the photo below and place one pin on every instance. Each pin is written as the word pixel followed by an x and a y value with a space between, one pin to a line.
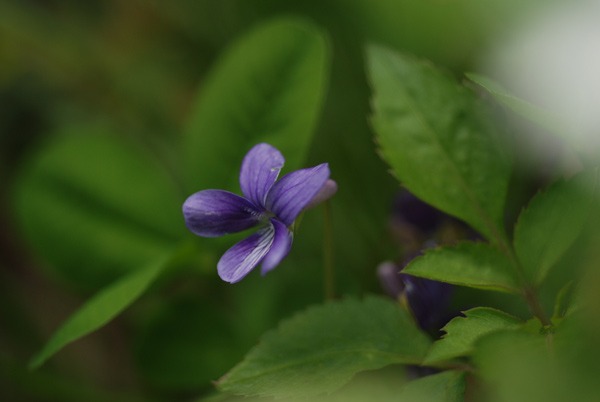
pixel 270 204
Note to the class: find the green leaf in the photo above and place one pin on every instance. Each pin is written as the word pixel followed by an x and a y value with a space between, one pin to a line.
pixel 519 366
pixel 100 309
pixel 267 87
pixel 463 332
pixel 477 265
pixel 496 352
pixel 95 207
pixel 439 141
pixel 321 349
pixel 551 223
pixel 382 385
pixel 448 386
pixel 533 113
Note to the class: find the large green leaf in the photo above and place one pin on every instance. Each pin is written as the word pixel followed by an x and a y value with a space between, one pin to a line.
pixel 95 207
pixel 551 223
pixel 520 366
pixel 267 87
pixel 321 349
pixel 560 365
pixel 375 385
pixel 463 332
pixel 477 265
pixel 439 140
pixel 448 386
pixel 100 309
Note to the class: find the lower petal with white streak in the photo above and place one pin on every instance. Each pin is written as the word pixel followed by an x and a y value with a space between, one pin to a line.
pixel 282 243
pixel 240 259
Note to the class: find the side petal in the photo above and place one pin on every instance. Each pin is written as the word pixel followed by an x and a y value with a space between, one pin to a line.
pixel 326 192
pixel 240 259
pixel 213 213
pixel 282 243
pixel 290 195
pixel 260 169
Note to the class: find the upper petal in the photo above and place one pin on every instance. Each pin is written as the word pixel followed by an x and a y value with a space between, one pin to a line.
pixel 240 259
pixel 260 169
pixel 282 243
pixel 290 195
pixel 212 213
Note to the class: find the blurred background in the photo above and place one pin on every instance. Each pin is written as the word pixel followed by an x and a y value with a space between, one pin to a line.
pixel 135 69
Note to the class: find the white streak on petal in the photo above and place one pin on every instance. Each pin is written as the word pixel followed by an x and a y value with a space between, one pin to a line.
pixel 240 259
pixel 282 243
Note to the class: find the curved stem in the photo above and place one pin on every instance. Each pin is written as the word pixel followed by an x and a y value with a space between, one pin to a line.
pixel 529 293
pixel 535 306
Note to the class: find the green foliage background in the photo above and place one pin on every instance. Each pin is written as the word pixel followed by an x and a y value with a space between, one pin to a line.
pixel 104 133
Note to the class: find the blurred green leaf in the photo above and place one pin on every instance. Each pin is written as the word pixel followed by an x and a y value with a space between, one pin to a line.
pixel 100 309
pixel 577 343
pixel 519 366
pixel 551 223
pixel 533 113
pixel 439 141
pixel 267 87
pixel 95 207
pixel 448 386
pixel 321 349
pixel 384 385
pixel 186 344
pixel 476 265
pixel 463 332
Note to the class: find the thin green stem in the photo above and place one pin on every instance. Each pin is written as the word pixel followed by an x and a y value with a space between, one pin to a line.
pixel 328 268
pixel 534 304
pixel 529 293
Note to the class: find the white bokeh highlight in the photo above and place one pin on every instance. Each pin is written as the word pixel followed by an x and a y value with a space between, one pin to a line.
pixel 553 61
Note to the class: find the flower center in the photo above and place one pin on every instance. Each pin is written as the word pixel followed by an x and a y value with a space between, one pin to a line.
pixel 266 216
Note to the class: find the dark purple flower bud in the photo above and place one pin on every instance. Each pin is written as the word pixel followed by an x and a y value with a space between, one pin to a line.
pixel 389 279
pixel 428 300
pixel 410 209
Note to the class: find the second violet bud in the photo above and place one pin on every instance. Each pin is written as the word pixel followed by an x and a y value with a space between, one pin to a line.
pixel 428 300
pixel 416 226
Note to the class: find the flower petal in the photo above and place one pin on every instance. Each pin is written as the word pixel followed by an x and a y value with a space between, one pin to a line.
pixel 240 259
pixel 282 243
pixel 212 213
pixel 290 195
pixel 326 192
pixel 260 169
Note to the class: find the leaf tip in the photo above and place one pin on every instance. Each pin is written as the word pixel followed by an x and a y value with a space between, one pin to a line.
pixel 36 362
